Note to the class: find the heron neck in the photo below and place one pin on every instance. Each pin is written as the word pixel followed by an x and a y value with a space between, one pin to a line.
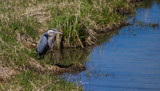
pixel 51 40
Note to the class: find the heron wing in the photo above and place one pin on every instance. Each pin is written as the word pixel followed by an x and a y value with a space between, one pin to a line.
pixel 43 44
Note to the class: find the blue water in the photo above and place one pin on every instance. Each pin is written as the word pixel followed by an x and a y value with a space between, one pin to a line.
pixel 130 61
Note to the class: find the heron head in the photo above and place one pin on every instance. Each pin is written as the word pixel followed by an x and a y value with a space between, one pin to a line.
pixel 53 31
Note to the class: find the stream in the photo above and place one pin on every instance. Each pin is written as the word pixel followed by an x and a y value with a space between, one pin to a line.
pixel 129 60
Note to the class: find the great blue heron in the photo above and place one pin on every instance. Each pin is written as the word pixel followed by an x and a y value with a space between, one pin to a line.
pixel 46 41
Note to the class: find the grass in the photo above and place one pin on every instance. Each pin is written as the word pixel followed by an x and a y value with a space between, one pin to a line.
pixel 75 17
pixel 23 21
pixel 31 81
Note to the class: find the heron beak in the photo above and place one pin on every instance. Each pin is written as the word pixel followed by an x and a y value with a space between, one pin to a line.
pixel 58 32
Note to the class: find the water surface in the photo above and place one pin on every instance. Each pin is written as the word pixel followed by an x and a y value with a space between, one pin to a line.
pixel 129 60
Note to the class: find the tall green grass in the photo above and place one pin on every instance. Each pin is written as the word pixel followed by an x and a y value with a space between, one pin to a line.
pixel 75 17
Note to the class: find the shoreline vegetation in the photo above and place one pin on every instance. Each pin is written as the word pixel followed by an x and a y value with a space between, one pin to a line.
pixel 23 21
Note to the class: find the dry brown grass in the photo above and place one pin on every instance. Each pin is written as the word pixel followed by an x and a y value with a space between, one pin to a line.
pixel 6 72
pixel 40 12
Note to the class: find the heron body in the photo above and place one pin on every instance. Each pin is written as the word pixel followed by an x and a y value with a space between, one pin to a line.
pixel 46 41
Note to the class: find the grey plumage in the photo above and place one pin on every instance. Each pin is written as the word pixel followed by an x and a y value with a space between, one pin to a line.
pixel 43 46
pixel 46 41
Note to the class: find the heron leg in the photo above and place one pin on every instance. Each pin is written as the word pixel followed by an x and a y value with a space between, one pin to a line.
pixel 38 56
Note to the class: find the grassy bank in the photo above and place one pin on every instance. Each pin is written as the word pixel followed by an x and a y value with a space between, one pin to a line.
pixel 23 21
pixel 31 81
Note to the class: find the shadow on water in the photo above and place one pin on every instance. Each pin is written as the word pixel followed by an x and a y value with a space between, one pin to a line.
pixel 66 57
pixel 121 60
pixel 147 4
